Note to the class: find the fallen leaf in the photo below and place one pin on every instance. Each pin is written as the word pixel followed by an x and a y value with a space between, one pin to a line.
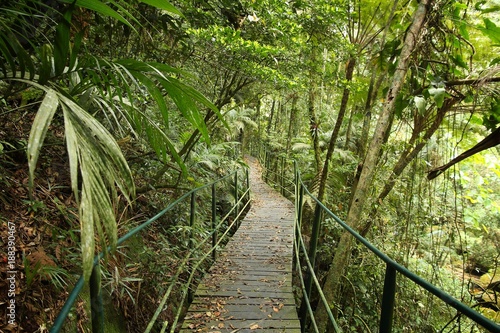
pixel 255 327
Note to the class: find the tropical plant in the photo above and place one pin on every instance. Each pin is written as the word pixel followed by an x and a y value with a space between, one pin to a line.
pixel 97 99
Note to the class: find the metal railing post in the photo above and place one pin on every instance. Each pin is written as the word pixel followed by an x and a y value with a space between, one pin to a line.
pixel 315 235
pixel 96 304
pixel 282 180
pixel 192 217
pixel 248 183
pixel 300 209
pixel 236 208
pixel 214 224
pixel 388 299
pixel 312 258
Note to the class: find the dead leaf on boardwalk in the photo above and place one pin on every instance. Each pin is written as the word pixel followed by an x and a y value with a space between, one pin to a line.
pixel 275 309
pixel 255 327
pixel 221 325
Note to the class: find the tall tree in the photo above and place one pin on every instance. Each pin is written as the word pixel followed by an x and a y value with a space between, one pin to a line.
pixel 354 217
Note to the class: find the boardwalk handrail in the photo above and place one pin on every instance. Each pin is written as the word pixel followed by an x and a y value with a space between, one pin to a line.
pixel 392 267
pixel 96 303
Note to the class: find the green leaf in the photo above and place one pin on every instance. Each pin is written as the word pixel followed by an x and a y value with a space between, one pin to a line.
pixel 186 103
pixel 72 149
pixel 101 8
pixel 463 30
pixel 156 93
pixel 103 167
pixel 459 61
pixel 132 64
pixel 39 129
pixel 61 45
pixel 163 4
pixel 491 31
pixel 45 70
pixel 420 103
pixel 8 58
pixel 87 233
pixel 157 138
pixel 14 54
pixel 77 43
pixel 491 9
pixel 438 94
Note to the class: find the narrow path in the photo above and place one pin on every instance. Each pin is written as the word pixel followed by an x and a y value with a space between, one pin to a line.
pixel 249 288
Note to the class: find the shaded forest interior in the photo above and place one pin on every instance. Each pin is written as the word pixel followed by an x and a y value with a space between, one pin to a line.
pixel 111 110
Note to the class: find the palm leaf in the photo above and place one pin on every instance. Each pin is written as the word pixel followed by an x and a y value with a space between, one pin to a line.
pixel 96 161
pixel 62 47
pixel 14 55
pixel 101 8
pixel 163 4
pixel 39 130
pixel 93 150
pixel 102 167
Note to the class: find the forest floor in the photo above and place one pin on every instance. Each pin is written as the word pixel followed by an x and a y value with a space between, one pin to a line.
pixel 39 236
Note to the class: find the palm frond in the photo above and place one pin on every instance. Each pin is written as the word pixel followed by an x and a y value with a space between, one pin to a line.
pixel 93 151
pixel 103 167
pixel 94 93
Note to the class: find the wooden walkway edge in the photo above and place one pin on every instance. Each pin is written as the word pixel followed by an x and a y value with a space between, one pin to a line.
pixel 249 287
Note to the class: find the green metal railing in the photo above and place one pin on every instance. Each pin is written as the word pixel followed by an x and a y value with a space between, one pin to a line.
pixel 241 202
pixel 311 280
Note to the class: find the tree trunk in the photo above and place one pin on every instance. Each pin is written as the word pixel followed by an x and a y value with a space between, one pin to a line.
pixel 351 63
pixel 313 118
pixel 292 123
pixel 332 285
pixel 259 125
pixel 406 157
pixel 270 121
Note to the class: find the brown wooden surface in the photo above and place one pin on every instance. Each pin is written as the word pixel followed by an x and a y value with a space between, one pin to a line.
pixel 249 288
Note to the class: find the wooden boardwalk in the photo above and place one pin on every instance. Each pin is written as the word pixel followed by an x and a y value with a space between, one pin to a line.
pixel 249 288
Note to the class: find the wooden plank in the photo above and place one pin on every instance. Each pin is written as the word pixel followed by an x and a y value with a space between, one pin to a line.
pixel 261 293
pixel 246 287
pixel 244 312
pixel 254 266
pixel 206 301
pixel 232 324
pixel 243 330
